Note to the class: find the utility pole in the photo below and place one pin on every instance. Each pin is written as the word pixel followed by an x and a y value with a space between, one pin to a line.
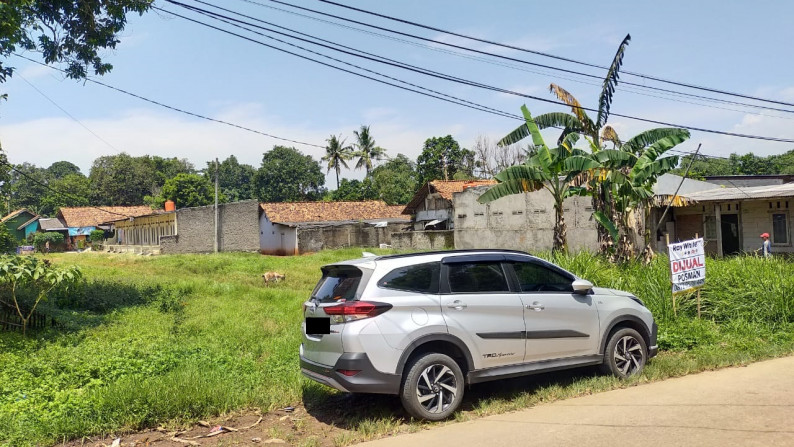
pixel 216 205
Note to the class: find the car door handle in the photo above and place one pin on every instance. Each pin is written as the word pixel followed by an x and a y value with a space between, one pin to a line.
pixel 536 306
pixel 458 305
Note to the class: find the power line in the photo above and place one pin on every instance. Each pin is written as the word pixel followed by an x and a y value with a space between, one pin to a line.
pixel 68 114
pixel 485 60
pixel 441 76
pixel 481 59
pixel 513 47
pixel 72 196
pixel 176 109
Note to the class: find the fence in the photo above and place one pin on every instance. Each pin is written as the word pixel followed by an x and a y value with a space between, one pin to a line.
pixel 10 320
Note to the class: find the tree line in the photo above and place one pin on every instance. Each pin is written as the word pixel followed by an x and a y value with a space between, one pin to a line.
pixel 284 175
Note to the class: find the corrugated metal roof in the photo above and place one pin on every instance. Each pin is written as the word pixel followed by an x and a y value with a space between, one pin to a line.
pixel 51 224
pixel 667 184
pixel 748 193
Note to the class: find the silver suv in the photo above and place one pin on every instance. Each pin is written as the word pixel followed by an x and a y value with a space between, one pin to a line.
pixel 424 325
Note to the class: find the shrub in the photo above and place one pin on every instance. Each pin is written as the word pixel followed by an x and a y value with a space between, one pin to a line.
pixel 97 236
pixel 7 241
pixel 41 238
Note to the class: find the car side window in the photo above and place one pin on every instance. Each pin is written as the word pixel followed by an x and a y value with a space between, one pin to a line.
pixel 422 278
pixel 477 277
pixel 538 278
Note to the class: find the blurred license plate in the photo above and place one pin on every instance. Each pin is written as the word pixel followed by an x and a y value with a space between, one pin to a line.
pixel 318 326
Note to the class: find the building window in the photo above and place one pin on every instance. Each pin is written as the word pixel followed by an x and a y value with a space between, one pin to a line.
pixel 780 229
pixel 710 225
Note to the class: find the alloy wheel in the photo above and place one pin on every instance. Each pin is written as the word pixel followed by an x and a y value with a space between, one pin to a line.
pixel 436 388
pixel 628 355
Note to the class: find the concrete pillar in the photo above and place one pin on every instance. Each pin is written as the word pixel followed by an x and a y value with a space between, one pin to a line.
pixel 718 215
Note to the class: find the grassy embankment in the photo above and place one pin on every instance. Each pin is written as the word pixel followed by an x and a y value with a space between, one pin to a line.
pixel 171 339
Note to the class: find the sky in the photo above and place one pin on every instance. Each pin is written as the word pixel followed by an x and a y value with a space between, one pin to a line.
pixel 732 46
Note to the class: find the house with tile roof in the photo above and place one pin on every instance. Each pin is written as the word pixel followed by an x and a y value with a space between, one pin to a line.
pixel 432 207
pixel 81 221
pixel 20 223
pixel 299 227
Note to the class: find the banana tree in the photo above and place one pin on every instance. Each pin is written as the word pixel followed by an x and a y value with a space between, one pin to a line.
pixel 630 171
pixel 555 170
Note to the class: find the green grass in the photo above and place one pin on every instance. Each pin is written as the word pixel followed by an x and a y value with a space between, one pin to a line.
pixel 166 340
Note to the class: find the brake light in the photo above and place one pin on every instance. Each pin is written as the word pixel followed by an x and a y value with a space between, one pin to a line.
pixel 348 372
pixel 355 310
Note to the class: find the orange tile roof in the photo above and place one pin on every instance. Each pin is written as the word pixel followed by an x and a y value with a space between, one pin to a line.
pixel 443 187
pixel 294 212
pixel 88 216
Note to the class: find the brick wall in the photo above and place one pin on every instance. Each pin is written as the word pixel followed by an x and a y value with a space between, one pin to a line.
pixel 238 229
pixel 424 240
pixel 316 238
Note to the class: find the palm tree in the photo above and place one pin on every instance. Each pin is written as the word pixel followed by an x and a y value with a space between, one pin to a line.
pixel 555 170
pixel 367 150
pixel 337 155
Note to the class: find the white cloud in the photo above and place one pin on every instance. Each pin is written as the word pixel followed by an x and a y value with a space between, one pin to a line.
pixel 154 132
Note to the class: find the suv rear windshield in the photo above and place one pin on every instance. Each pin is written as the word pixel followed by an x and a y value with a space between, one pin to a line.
pixel 338 284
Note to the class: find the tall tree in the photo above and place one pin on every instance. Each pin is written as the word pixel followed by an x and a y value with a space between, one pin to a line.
pixel 286 175
pixel 367 151
pixel 65 31
pixel 188 190
pixel 61 169
pixel 235 180
pixel 73 190
pixel 26 187
pixel 121 180
pixel 351 190
pixel 396 181
pixel 337 155
pixel 442 158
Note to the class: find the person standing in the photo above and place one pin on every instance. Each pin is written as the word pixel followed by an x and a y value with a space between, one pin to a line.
pixel 47 247
pixel 766 246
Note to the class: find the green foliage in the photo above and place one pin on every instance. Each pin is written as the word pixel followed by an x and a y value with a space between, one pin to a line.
pixel 366 149
pixel 122 180
pixel 286 175
pixel 67 31
pixel 735 164
pixel 97 236
pixel 396 180
pixel 152 341
pixel 189 190
pixel 354 190
pixel 235 180
pixel 54 238
pixel 442 158
pixel 61 169
pixel 26 280
pixel 7 241
pixel 337 155
pixel 78 188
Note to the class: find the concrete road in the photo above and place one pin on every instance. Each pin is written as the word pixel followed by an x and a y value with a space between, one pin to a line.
pixel 744 406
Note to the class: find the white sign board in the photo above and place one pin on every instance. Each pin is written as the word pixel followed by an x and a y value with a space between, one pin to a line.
pixel 687 265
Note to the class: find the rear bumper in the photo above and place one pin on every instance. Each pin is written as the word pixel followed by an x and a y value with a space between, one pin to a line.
pixel 367 380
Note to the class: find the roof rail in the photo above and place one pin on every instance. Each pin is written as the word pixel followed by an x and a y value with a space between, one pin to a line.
pixel 441 252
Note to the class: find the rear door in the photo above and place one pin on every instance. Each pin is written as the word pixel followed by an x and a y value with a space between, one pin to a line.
pixel 480 309
pixel 559 323
pixel 339 284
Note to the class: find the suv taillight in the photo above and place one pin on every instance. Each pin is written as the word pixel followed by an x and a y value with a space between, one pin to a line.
pixel 355 310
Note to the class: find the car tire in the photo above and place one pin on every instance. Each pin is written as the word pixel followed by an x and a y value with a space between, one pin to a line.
pixel 626 353
pixel 432 389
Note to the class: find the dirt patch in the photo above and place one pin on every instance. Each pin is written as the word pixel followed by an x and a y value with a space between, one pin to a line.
pixel 290 426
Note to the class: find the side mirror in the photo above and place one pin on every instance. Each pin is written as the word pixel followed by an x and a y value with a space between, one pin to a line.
pixel 582 286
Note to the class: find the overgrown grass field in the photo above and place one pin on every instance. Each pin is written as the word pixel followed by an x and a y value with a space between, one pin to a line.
pixel 146 341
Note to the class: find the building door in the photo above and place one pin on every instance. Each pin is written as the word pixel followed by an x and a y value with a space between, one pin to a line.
pixel 730 234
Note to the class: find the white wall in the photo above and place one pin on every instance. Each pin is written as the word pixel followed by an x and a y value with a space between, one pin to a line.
pixel 275 238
